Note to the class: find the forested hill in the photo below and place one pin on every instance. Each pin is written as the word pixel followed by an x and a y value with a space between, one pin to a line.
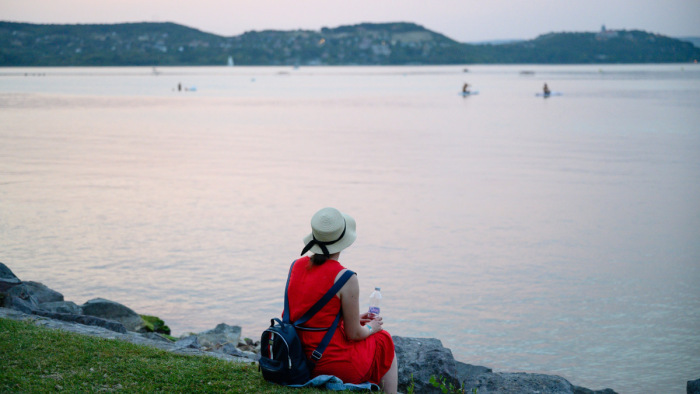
pixel 169 44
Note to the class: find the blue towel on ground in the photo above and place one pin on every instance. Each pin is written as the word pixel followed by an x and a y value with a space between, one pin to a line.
pixel 334 383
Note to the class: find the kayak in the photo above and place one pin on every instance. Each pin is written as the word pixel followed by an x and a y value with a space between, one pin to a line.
pixel 469 93
pixel 549 94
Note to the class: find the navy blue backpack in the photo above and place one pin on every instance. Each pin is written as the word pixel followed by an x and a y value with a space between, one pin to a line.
pixel 282 359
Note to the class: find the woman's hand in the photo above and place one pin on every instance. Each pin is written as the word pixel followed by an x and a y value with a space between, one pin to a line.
pixel 365 318
pixel 376 324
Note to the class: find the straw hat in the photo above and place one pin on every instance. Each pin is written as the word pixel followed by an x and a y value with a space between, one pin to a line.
pixel 331 232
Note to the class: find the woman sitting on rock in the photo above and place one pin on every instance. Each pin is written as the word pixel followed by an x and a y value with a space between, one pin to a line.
pixel 360 350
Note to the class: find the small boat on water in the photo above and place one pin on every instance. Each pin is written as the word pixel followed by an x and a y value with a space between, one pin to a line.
pixel 545 95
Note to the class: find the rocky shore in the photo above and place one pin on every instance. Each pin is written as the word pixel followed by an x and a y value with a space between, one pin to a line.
pixel 419 358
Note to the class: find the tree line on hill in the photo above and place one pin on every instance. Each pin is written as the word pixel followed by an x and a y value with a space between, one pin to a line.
pixel 170 44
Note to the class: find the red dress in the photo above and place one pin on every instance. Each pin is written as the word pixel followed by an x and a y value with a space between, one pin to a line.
pixel 361 361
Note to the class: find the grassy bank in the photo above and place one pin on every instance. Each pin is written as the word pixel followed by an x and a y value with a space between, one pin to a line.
pixel 37 359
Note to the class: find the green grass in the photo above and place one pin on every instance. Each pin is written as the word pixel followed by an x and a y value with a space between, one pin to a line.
pixel 38 359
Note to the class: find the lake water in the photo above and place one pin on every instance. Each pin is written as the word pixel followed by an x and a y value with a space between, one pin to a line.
pixel 557 235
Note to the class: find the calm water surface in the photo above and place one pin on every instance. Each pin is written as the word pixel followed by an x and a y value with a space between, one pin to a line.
pixel 554 235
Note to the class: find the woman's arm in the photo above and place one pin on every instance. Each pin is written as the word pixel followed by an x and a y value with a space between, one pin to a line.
pixel 350 300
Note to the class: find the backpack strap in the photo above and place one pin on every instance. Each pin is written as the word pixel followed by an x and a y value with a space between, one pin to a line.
pixel 285 314
pixel 318 353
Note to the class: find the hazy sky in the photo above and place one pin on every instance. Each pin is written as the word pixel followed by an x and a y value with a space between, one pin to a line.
pixel 462 20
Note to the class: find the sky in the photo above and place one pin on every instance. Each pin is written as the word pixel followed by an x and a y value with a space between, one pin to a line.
pixel 461 20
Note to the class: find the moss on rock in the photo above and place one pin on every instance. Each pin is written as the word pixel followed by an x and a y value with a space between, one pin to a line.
pixel 155 324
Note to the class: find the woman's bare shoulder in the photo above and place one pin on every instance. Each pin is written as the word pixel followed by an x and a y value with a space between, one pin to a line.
pixel 352 278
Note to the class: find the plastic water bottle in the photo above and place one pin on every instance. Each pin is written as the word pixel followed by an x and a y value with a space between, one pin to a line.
pixel 374 300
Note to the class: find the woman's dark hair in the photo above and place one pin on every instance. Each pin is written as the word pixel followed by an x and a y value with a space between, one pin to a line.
pixel 318 259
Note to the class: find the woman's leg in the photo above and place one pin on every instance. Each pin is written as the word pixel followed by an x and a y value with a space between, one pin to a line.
pixel 390 380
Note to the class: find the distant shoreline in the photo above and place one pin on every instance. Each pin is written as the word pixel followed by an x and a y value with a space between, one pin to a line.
pixel 399 43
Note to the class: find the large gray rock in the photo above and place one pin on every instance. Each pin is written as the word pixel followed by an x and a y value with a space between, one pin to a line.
pixel 219 336
pixel 583 390
pixel 42 293
pixel 424 358
pixel 232 350
pixel 110 310
pixel 61 307
pixel 693 387
pixel 189 342
pixel 467 373
pixel 84 320
pixel 20 298
pixel 223 339
pixel 421 358
pixel 487 381
pixel 7 278
pixel 516 383
pixel 25 296
pixel 154 336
